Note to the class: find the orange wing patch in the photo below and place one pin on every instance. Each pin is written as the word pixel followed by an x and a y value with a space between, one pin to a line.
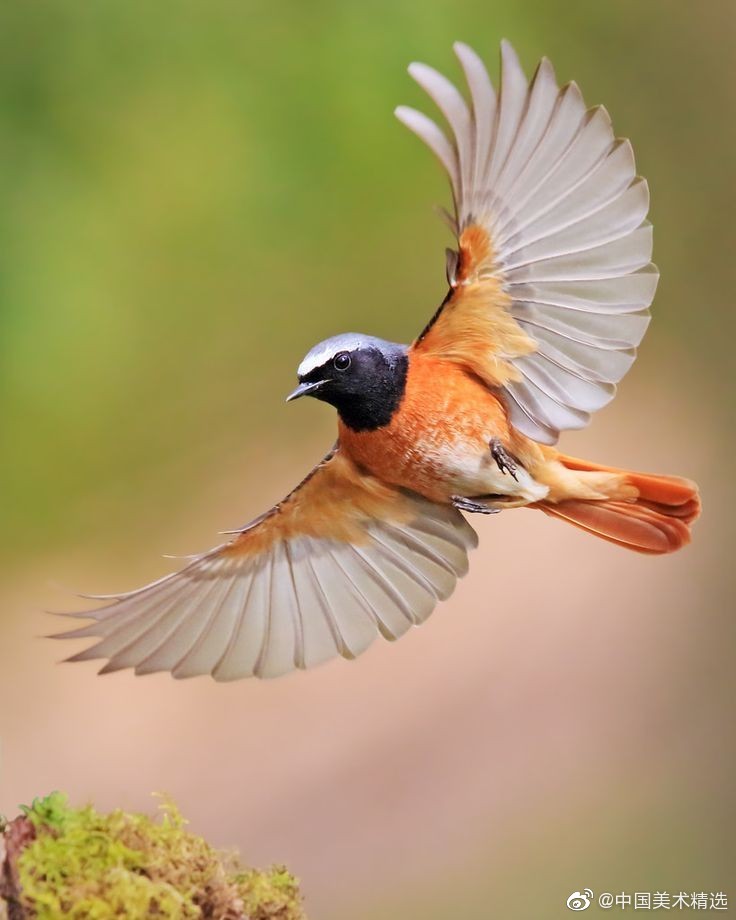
pixel 333 502
pixel 476 253
pixel 474 327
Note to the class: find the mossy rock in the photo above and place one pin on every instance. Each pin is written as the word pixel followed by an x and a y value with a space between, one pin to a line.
pixel 58 861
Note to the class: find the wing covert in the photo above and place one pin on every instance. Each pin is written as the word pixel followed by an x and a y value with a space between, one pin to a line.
pixel 552 279
pixel 341 560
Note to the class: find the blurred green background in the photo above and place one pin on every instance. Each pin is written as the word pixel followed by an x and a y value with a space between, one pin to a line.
pixel 193 194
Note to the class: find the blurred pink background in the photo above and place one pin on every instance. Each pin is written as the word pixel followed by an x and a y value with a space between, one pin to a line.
pixel 566 719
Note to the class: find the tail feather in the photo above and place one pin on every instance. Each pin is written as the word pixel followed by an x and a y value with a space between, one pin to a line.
pixel 656 521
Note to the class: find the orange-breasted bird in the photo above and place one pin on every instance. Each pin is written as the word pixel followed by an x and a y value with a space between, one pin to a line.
pixel 548 294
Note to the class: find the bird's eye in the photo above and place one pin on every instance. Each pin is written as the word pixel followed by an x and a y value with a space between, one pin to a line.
pixel 342 361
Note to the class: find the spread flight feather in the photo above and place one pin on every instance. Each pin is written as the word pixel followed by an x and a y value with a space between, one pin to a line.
pixel 341 560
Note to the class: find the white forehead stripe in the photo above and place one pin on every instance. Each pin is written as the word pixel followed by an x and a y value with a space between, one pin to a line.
pixel 326 350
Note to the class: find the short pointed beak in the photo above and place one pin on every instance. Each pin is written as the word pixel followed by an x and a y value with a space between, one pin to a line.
pixel 304 389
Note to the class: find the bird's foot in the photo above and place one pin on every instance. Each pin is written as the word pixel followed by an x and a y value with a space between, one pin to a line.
pixel 473 507
pixel 504 461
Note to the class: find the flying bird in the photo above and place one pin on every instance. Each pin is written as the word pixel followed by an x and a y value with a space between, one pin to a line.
pixel 549 288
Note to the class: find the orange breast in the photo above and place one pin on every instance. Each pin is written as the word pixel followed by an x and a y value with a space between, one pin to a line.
pixel 446 418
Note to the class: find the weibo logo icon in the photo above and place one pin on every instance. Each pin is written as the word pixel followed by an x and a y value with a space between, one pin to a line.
pixel 580 900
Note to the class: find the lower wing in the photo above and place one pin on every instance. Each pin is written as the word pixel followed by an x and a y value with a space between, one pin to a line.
pixel 341 560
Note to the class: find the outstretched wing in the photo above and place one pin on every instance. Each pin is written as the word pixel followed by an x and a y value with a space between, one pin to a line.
pixel 340 560
pixel 551 283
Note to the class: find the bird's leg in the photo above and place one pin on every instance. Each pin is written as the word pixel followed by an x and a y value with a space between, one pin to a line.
pixel 504 461
pixel 473 507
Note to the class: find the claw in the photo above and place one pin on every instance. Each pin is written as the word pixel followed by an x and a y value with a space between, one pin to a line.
pixel 467 504
pixel 504 460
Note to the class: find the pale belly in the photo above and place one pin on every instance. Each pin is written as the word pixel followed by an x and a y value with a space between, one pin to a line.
pixel 466 467
pixel 440 461
pixel 469 472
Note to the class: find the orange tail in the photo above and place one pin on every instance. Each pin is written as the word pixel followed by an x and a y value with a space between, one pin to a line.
pixel 656 521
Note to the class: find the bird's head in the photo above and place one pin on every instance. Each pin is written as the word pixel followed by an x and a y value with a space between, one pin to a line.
pixel 364 378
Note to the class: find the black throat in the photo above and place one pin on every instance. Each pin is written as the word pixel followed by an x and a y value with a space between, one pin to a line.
pixel 379 398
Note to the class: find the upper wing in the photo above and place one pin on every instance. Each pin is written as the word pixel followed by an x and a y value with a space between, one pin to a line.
pixel 340 560
pixel 550 288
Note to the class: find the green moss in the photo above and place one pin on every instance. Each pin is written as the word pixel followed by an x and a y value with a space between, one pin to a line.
pixel 271 894
pixel 83 864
